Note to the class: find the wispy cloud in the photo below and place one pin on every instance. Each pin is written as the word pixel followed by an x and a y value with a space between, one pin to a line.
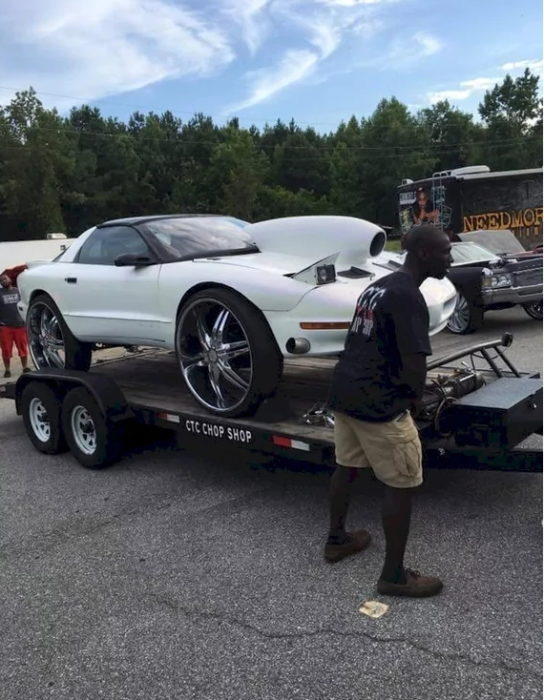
pixel 106 47
pixel 408 50
pixel 467 88
pixel 252 17
pixel 464 91
pixel 534 64
pixel 293 67
pixel 322 27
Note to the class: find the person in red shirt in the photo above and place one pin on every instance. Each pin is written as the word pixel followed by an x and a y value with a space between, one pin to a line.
pixel 12 327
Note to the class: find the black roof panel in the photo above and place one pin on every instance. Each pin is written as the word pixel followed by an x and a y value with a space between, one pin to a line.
pixel 134 220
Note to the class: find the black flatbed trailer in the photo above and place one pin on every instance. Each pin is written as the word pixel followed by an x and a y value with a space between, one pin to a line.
pixel 148 389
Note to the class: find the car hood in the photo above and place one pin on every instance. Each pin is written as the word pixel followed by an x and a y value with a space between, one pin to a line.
pixel 306 240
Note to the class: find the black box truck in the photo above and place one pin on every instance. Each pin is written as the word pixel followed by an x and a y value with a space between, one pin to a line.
pixel 473 199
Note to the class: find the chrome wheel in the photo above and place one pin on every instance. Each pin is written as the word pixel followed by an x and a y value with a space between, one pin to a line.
pixel 214 354
pixel 459 321
pixel 83 430
pixel 534 310
pixel 39 421
pixel 45 337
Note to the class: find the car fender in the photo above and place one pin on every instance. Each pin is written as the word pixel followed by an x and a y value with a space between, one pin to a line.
pixel 468 281
pixel 265 290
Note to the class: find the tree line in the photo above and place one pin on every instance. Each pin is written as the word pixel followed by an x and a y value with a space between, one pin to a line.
pixel 66 173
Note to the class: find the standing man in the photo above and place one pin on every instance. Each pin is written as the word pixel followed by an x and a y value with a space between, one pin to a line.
pixel 379 378
pixel 12 327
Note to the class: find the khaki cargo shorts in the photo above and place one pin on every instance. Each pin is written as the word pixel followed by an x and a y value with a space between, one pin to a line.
pixel 391 449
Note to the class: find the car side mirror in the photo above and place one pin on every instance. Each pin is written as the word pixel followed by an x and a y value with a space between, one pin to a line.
pixel 132 260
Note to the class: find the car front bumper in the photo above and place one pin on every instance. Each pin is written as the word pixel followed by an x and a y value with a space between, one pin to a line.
pixel 512 295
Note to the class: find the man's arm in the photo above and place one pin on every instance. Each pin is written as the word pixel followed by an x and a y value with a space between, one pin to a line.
pixel 413 374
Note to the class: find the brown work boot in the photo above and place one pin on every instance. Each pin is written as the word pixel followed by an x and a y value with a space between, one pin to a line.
pixel 357 541
pixel 416 585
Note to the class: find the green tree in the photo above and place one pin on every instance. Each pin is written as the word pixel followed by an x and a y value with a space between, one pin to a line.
pixel 453 138
pixel 37 157
pixel 512 113
pixel 395 147
pixel 239 168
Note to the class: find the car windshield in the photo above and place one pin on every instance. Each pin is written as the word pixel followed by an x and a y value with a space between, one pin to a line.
pixel 470 252
pixel 184 237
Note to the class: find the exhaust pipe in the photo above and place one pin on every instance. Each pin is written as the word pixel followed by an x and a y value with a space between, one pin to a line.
pixel 297 346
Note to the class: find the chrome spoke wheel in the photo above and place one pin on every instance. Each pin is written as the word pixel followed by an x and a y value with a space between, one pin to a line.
pixel 45 337
pixel 39 420
pixel 534 310
pixel 214 354
pixel 83 430
pixel 460 318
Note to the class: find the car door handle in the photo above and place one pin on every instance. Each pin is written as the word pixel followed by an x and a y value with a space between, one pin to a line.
pixel 71 280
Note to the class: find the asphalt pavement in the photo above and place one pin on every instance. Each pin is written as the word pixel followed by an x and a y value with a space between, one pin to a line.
pixel 179 575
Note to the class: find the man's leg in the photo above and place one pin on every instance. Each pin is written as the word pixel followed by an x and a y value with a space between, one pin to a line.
pixel 340 492
pixel 6 345
pixel 340 543
pixel 395 579
pixel 396 511
pixel 20 338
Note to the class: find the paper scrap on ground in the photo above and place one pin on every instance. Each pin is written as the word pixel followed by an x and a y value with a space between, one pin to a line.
pixel 373 608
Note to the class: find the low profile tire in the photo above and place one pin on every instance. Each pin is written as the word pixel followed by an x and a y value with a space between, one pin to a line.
pixel 534 310
pixel 92 439
pixel 50 341
pixel 466 317
pixel 228 356
pixel 41 411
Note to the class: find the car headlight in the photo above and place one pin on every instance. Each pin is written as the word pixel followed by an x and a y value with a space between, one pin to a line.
pixel 496 280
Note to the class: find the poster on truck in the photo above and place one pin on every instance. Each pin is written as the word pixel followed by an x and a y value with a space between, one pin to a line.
pixel 483 201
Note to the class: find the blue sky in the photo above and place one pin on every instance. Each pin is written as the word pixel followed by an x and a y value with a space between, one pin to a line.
pixel 317 61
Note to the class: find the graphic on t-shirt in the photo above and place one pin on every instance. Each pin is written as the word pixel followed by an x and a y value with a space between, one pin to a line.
pixel 363 321
pixel 10 298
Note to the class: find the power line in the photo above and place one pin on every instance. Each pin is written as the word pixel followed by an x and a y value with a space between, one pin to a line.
pixel 88 100
pixel 181 141
pixel 303 159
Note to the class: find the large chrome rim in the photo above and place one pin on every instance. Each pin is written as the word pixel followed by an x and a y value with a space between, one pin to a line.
pixel 534 310
pixel 39 420
pixel 45 338
pixel 460 318
pixel 214 354
pixel 83 430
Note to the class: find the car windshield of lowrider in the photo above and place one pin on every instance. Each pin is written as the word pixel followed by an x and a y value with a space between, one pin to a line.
pixel 185 237
pixel 470 252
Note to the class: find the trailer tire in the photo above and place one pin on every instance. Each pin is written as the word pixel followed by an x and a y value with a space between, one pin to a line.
pixel 41 411
pixel 93 440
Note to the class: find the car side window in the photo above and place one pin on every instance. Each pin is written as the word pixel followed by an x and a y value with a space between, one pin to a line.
pixel 107 243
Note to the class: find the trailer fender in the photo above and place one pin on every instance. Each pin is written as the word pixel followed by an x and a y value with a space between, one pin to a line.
pixel 102 388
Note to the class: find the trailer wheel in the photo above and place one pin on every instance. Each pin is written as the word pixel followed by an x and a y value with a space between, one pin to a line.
pixel 93 440
pixel 466 317
pixel 41 411
pixel 534 310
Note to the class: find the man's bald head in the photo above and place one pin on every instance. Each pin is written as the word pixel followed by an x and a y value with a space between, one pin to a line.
pixel 428 248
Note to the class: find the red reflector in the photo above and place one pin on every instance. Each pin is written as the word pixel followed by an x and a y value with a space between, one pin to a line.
pixel 281 441
pixel 325 325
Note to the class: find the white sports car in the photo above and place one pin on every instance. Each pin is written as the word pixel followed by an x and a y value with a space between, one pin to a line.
pixel 231 298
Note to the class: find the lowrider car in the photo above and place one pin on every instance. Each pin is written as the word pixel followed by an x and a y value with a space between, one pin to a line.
pixel 491 270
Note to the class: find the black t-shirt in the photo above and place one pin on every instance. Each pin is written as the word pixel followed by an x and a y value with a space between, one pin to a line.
pixel 9 314
pixel 391 319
